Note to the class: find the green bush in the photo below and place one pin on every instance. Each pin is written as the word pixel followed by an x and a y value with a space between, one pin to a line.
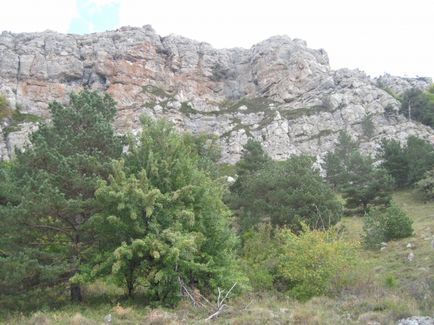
pixel 425 186
pixel 5 110
pixel 303 265
pixel 311 261
pixel 368 126
pixel 3 102
pixel 384 225
pixel 390 281
pixel 259 256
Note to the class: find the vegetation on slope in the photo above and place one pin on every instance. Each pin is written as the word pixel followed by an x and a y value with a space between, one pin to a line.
pixel 383 288
pixel 134 232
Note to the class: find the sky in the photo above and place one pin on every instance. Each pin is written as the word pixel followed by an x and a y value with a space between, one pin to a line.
pixel 376 36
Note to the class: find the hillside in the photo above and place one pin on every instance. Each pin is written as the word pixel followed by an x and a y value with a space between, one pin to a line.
pixel 279 92
pixel 385 287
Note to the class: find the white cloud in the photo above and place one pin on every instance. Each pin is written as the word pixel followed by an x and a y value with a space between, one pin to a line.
pixel 102 3
pixel 34 16
pixel 374 35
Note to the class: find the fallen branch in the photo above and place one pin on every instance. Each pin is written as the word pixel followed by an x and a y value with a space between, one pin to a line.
pixel 216 314
pixel 220 303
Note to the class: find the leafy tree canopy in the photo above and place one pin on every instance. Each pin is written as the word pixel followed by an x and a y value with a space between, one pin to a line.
pixel 162 221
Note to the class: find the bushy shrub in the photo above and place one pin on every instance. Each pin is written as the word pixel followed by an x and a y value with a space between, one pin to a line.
pixel 425 187
pixel 303 265
pixel 368 126
pixel 310 261
pixel 384 225
pixel 3 102
pixel 5 110
pixel 259 256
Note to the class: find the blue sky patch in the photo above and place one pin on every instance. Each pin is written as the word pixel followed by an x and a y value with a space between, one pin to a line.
pixel 94 18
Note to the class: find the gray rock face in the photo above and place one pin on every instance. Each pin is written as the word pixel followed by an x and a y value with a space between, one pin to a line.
pixel 398 85
pixel 417 320
pixel 279 92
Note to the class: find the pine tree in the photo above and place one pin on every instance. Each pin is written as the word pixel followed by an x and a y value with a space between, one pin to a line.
pixel 425 186
pixel 55 178
pixel 336 163
pixel 367 185
pixel 252 159
pixel 361 183
pixel 394 159
pixel 420 157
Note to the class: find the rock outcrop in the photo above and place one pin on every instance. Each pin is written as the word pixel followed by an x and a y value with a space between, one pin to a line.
pixel 279 92
pixel 398 85
pixel 417 320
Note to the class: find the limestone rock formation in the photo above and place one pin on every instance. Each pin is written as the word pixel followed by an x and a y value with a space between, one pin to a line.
pixel 417 320
pixel 279 92
pixel 398 85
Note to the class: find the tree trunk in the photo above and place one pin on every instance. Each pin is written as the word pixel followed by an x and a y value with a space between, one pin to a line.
pixel 129 278
pixel 76 287
pixel 75 292
pixel 130 290
pixel 130 284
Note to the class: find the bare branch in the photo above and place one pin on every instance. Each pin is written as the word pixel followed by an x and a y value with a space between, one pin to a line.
pixel 220 303
pixel 218 298
pixel 51 228
pixel 228 292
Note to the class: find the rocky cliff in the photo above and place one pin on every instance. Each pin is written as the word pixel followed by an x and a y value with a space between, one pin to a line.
pixel 279 91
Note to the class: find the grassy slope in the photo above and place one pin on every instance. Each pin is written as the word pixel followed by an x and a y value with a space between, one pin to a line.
pixel 384 288
pixel 392 262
